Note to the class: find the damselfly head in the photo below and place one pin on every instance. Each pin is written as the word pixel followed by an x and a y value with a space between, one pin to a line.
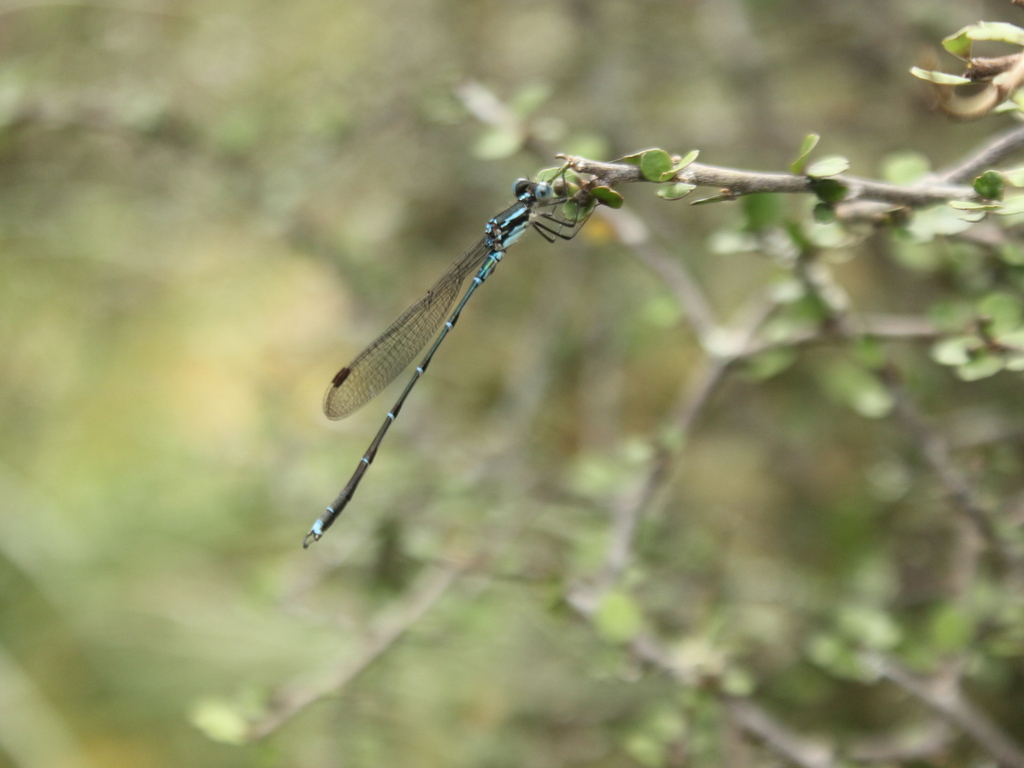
pixel 541 191
pixel 521 188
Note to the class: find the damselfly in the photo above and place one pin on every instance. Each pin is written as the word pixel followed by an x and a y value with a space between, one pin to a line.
pixel 378 365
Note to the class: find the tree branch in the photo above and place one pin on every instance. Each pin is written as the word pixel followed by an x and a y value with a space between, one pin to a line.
pixel 946 698
pixel 984 158
pixel 293 697
pixel 737 182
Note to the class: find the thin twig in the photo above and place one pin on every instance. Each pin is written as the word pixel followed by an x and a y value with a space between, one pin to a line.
pixel 945 697
pixel 737 182
pixel 984 158
pixel 295 696
pixel 631 231
pixel 799 750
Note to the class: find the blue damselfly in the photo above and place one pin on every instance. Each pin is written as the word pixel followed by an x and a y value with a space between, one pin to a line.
pixel 387 356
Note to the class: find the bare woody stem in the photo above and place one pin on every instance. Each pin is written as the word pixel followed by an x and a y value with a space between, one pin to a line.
pixel 736 182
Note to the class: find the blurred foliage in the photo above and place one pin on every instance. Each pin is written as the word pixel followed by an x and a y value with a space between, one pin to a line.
pixel 207 208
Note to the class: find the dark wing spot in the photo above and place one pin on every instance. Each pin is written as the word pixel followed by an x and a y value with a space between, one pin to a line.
pixel 340 377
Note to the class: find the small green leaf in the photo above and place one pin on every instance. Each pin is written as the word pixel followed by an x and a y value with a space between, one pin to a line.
pixel 635 158
pixel 824 213
pixel 572 211
pixel 529 99
pixel 984 30
pixel 676 191
pixel 219 721
pixel 718 199
pixel 990 185
pixel 498 142
pixel 607 196
pixel 970 205
pixel 837 657
pixel 870 352
pixel 763 211
pixel 809 143
pixel 1012 206
pixel 830 191
pixel 1002 310
pixel 688 158
pixel 737 682
pixel 618 618
pixel 954 351
pixel 656 165
pixel 905 167
pixel 1011 253
pixel 645 749
pixel 939 78
pixel 869 626
pixel 1014 176
pixel 959 44
pixel 549 174
pixel 858 388
pixel 828 166
pixel 981 367
pixel 951 628
pixel 770 363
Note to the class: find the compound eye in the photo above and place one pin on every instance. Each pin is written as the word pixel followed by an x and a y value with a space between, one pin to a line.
pixel 521 187
pixel 543 192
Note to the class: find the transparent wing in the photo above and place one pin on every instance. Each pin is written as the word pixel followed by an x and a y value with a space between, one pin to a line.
pixel 386 357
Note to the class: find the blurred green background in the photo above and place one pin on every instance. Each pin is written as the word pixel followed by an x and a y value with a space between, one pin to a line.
pixel 207 208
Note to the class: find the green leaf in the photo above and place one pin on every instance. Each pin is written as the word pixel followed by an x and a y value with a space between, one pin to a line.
pixel 688 158
pixel 656 165
pixel 549 174
pixel 645 749
pixel 676 191
pixel 529 99
pixel 714 199
pixel 770 363
pixel 763 210
pixel 1012 206
pixel 1003 310
pixel 870 352
pixel 938 220
pixel 498 142
pixel 737 682
pixel 1014 176
pixel 824 213
pixel 869 626
pixel 1011 253
pixel 836 656
pixel 970 205
pixel 905 167
pixel 830 191
pixel 633 159
pixel 572 211
pixel 618 618
pixel 959 43
pixel 981 366
pixel 219 721
pixel 954 351
pixel 858 388
pixel 940 78
pixel 951 628
pixel 828 166
pixel 607 196
pixel 990 185
pixel 809 143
